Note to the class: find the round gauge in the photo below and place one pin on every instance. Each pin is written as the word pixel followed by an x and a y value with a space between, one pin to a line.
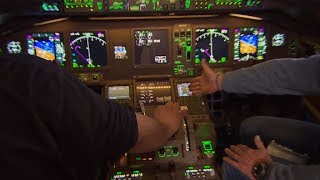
pixel 212 44
pixel 14 47
pixel 88 49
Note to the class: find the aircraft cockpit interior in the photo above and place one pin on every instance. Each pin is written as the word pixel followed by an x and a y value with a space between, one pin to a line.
pixel 144 53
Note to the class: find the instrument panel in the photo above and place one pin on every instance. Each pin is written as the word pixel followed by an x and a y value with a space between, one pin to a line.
pixel 143 63
pixel 122 49
pixel 109 6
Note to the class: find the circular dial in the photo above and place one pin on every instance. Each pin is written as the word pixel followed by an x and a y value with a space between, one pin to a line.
pixel 88 50
pixel 212 44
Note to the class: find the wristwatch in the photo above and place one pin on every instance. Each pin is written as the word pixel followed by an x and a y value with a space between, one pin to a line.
pixel 260 170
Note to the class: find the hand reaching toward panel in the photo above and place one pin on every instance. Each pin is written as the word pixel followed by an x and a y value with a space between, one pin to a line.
pixel 170 116
pixel 209 81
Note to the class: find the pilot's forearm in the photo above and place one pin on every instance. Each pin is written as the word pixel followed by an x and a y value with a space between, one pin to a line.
pixel 278 77
pixel 152 134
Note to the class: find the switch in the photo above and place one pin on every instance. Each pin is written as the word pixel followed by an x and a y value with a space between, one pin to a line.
pixel 188 33
pixel 176 34
pixel 95 77
pixel 179 46
pixel 175 151
pixel 188 55
pixel 182 34
pixel 162 152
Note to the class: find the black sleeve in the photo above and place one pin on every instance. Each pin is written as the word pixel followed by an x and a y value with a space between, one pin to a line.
pixel 53 126
pixel 88 129
pixel 109 127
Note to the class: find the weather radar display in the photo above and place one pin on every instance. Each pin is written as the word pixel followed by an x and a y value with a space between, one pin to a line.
pixel 212 45
pixel 88 49
pixel 249 44
pixel 48 46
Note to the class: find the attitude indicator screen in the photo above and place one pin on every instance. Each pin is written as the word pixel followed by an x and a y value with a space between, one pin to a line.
pixel 249 44
pixel 151 47
pixel 88 49
pixel 48 46
pixel 212 45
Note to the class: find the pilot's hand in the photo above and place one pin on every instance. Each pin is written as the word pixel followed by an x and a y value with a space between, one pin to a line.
pixel 209 81
pixel 245 158
pixel 170 116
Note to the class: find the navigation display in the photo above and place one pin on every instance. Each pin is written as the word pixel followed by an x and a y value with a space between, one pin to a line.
pixel 153 92
pixel 151 47
pixel 212 45
pixel 249 44
pixel 88 49
pixel 183 90
pixel 118 92
pixel 48 46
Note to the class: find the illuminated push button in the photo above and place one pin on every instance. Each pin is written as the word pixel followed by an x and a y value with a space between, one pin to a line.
pixel 208 146
pixel 175 151
pixel 161 152
pixel 95 77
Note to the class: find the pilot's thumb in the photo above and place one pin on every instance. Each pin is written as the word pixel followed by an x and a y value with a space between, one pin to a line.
pixel 205 66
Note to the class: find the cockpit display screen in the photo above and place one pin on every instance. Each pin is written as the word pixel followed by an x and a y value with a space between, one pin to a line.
pixel 151 47
pixel 118 92
pixel 48 46
pixel 249 44
pixel 183 90
pixel 212 45
pixel 88 49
